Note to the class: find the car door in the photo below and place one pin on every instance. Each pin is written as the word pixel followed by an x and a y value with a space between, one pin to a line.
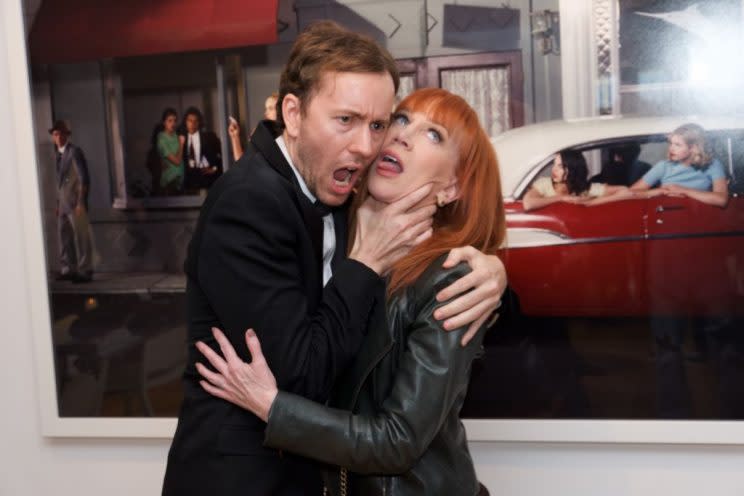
pixel 695 252
pixel 574 260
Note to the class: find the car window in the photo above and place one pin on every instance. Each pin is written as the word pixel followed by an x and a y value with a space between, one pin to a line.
pixel 620 162
pixel 728 147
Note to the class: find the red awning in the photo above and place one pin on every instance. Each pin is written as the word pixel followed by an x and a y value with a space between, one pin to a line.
pixel 78 30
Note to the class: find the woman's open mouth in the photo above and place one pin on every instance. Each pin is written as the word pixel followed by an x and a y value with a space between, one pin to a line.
pixel 389 164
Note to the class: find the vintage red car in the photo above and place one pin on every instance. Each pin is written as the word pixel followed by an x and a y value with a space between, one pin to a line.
pixel 635 257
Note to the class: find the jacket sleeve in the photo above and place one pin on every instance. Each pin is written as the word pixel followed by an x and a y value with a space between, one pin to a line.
pixel 78 161
pixel 433 372
pixel 248 269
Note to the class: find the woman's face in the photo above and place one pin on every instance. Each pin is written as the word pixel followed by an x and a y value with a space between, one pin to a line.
pixel 558 173
pixel 170 123
pixel 679 151
pixel 416 151
pixel 270 108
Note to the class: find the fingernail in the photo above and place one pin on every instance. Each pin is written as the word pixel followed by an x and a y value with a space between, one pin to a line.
pixel 251 333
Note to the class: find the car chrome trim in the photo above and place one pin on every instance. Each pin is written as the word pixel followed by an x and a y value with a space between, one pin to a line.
pixel 527 237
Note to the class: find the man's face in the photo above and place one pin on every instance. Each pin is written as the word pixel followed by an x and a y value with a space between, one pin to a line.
pixel 341 131
pixel 192 123
pixel 59 138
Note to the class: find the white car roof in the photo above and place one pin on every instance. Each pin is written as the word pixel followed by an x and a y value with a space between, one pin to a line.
pixel 520 149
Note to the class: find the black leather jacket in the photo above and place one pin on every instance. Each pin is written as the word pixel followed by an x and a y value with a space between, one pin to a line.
pixel 405 388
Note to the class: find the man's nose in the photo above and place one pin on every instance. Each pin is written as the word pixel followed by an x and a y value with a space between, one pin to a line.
pixel 363 143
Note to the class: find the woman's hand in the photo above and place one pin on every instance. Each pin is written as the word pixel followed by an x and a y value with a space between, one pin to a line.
pixel 487 281
pixel 251 386
pixel 674 190
pixel 575 200
pixel 387 232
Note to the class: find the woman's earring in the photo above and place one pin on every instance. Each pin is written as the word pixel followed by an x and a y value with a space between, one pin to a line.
pixel 441 201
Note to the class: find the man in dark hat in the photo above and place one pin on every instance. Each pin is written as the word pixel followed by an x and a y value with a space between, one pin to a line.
pixel 73 228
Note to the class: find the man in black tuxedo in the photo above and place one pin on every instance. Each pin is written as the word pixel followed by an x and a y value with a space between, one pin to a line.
pixel 202 153
pixel 269 252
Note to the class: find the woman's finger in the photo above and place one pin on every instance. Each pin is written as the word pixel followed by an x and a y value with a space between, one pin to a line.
pixel 254 346
pixel 214 391
pixel 227 349
pixel 214 378
pixel 216 360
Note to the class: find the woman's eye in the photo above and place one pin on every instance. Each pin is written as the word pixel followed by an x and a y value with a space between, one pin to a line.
pixel 400 119
pixel 434 135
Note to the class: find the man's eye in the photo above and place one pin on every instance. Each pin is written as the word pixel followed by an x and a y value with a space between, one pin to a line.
pixel 378 126
pixel 344 119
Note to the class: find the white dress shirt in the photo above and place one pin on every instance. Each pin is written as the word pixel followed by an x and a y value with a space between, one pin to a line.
pixel 329 232
pixel 195 141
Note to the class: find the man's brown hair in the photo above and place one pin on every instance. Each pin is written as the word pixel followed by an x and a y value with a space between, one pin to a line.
pixel 325 46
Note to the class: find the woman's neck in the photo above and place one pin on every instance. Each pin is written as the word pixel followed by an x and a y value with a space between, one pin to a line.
pixel 560 187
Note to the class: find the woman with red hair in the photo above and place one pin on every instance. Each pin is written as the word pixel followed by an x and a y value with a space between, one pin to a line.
pixel 396 410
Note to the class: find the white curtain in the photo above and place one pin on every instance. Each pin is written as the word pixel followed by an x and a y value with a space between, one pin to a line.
pixel 486 90
pixel 407 85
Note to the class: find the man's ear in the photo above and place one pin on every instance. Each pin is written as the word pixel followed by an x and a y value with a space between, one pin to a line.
pixel 450 193
pixel 292 114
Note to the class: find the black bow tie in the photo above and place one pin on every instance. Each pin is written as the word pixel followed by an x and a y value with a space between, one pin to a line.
pixel 322 208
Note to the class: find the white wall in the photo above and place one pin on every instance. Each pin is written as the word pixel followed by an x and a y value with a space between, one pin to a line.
pixel 33 465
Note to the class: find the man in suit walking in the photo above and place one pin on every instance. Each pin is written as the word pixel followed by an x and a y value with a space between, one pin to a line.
pixel 269 252
pixel 202 155
pixel 73 228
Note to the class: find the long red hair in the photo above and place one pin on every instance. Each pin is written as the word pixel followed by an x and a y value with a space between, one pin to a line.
pixel 476 218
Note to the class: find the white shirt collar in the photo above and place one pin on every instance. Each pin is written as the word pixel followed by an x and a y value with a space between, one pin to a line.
pixel 303 186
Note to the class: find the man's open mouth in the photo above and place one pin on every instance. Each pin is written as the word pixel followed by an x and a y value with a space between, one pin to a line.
pixel 344 176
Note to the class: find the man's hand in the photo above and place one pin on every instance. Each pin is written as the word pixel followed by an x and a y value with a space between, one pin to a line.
pixel 233 128
pixel 79 210
pixel 487 282
pixel 251 386
pixel 385 233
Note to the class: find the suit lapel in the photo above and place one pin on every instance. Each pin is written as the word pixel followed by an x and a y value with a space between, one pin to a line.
pixel 340 225
pixel 263 141
pixel 64 164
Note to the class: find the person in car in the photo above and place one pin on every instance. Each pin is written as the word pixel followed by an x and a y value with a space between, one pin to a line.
pixel 689 170
pixel 622 167
pixel 569 183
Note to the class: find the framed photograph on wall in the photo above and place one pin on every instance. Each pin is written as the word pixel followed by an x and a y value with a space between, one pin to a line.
pixel 573 357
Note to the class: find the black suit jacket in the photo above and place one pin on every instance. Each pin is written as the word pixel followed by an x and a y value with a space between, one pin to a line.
pixel 211 150
pixel 255 261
